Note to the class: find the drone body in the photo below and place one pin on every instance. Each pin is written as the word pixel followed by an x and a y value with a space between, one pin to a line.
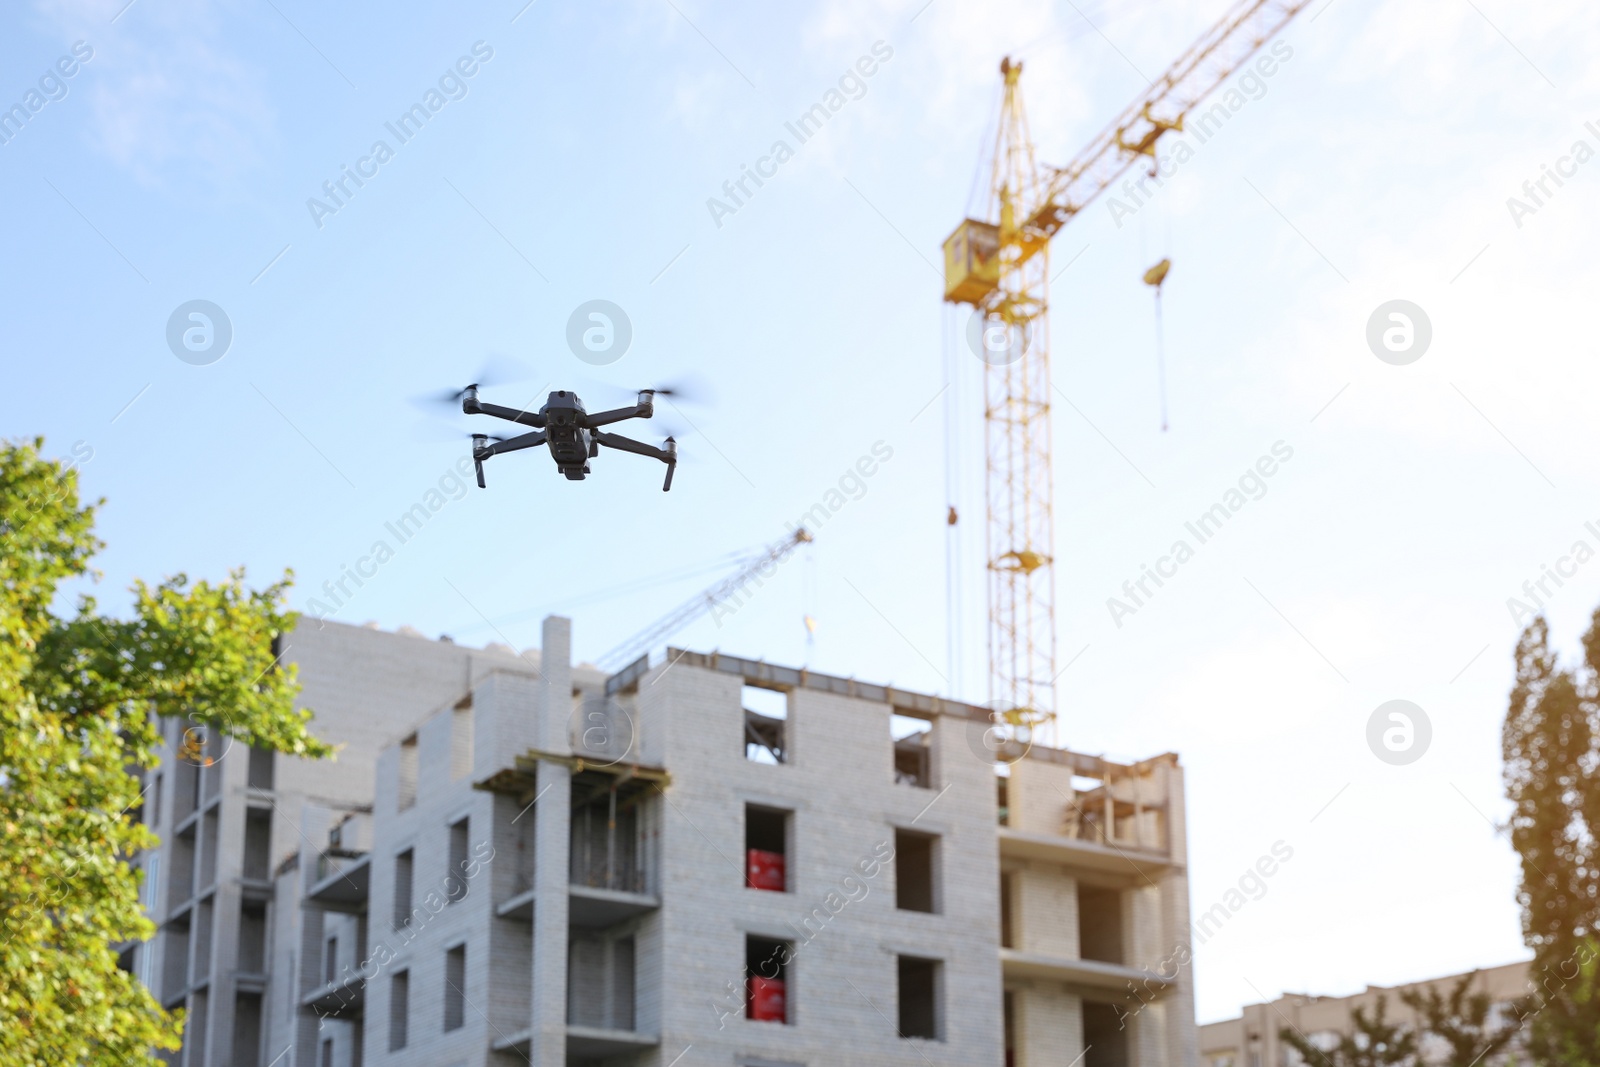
pixel 572 434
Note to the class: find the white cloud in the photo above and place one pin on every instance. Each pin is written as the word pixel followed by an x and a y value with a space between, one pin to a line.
pixel 172 104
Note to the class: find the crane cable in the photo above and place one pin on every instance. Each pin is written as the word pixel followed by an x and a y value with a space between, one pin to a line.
pixel 1155 277
pixel 1161 359
pixel 808 599
pixel 951 345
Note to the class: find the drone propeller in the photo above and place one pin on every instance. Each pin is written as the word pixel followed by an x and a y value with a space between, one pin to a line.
pixel 496 370
pixel 667 426
pixel 676 434
pixel 435 431
pixel 691 390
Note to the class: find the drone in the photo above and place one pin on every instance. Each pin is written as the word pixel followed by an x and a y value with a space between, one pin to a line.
pixel 573 435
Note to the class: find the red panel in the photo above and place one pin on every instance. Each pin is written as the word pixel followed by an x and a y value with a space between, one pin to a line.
pixel 767 1002
pixel 764 870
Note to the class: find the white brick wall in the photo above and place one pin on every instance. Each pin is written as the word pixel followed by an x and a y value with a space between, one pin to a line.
pixel 839 782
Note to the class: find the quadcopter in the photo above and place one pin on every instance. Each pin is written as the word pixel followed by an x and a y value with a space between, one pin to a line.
pixel 573 435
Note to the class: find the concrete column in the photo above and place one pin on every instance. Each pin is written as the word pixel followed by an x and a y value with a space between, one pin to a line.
pixel 1049 1026
pixel 1147 937
pixel 506 714
pixel 553 815
pixel 281 1013
pixel 555 670
pixel 1149 1036
pixel 1181 1036
pixel 1044 917
pixel 552 849
pixel 224 962
pixel 309 965
pixel 1040 796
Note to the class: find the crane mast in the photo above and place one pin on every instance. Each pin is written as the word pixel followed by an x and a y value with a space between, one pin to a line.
pixel 1000 266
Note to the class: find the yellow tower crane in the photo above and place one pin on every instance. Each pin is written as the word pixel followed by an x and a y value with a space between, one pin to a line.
pixel 1000 265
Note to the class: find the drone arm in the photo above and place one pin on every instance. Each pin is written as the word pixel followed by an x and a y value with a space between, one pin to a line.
pixel 471 405
pixel 481 450
pixel 642 410
pixel 668 455
pixel 514 444
pixel 638 448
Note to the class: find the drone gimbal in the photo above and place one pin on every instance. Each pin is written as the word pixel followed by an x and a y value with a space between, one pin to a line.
pixel 573 435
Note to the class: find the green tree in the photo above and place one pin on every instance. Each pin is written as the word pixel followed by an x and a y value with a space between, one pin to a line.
pixel 78 700
pixel 1572 1032
pixel 1461 1020
pixel 1372 1042
pixel 1552 778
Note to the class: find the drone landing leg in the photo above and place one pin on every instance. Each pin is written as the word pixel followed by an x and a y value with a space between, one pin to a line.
pixel 481 450
pixel 668 455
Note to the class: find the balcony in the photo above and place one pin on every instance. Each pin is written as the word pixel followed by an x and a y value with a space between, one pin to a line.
pixel 613 849
pixel 1128 859
pixel 519 907
pixel 1090 978
pixel 583 1043
pixel 614 869
pixel 341 878
pixel 1090 813
pixel 589 1042
pixel 595 908
pixel 343 998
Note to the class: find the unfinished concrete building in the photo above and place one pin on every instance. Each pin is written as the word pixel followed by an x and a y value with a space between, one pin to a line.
pixel 233 821
pixel 705 860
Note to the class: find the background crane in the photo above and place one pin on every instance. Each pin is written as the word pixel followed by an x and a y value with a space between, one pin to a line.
pixel 1000 266
pixel 724 591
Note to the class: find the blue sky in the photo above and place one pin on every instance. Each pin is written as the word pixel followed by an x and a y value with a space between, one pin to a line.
pixel 575 163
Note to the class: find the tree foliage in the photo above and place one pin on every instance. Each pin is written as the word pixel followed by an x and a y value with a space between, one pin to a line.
pixel 1460 1020
pixel 1551 745
pixel 1566 1030
pixel 1374 1041
pixel 78 700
